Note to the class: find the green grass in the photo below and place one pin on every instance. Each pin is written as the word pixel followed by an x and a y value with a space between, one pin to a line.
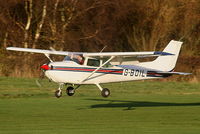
pixel 147 107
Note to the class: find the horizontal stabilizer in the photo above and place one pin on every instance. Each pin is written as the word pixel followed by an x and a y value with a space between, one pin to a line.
pixel 177 73
pixel 153 72
pixel 164 73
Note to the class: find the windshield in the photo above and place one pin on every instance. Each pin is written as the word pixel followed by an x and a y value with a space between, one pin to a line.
pixel 67 58
pixel 76 58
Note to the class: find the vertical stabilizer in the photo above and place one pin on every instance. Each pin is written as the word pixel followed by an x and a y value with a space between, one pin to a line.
pixel 166 63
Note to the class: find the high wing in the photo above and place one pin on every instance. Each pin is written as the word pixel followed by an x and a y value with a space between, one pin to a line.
pixel 127 54
pixel 97 55
pixel 42 51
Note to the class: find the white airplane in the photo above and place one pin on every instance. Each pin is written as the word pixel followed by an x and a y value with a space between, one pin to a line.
pixel 80 68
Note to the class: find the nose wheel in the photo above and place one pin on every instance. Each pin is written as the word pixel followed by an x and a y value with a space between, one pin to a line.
pixel 58 93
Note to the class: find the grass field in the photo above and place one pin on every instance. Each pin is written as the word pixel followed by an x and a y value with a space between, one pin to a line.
pixel 135 107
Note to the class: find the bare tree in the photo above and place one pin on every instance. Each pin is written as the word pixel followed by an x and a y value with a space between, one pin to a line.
pixel 29 12
pixel 40 24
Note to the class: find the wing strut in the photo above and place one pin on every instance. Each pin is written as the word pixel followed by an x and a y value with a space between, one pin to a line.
pixel 98 68
pixel 47 55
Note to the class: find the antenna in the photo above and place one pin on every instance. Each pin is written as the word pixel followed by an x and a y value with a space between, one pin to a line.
pixel 51 48
pixel 103 49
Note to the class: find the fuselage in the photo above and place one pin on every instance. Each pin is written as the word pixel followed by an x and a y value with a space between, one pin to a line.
pixel 71 72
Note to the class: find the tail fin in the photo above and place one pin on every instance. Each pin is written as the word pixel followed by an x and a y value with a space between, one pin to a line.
pixel 166 63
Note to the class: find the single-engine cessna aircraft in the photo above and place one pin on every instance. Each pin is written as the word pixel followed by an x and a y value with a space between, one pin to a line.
pixel 79 68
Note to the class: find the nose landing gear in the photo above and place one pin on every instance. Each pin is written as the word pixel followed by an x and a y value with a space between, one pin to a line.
pixel 58 93
pixel 70 91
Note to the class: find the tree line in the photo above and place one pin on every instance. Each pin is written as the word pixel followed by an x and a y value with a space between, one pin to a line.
pixel 90 25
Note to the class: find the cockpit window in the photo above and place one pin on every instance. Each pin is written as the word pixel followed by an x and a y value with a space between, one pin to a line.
pixel 67 58
pixel 93 62
pixel 107 64
pixel 76 58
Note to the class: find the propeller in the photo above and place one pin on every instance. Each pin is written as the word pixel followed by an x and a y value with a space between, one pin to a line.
pixel 43 69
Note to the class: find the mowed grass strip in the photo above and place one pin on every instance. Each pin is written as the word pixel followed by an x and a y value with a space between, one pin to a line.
pixel 133 107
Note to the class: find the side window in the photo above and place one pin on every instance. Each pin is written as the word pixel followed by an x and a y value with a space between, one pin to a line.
pixel 107 65
pixel 93 62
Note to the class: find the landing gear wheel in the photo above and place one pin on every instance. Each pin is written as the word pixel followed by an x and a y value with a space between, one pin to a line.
pixel 58 93
pixel 105 92
pixel 70 91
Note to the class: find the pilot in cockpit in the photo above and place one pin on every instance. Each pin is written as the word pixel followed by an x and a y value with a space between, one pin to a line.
pixel 76 58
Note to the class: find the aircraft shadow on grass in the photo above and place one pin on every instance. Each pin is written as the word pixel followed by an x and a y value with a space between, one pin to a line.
pixel 131 105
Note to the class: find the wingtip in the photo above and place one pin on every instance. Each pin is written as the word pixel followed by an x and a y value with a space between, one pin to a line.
pixel 8 48
pixel 11 48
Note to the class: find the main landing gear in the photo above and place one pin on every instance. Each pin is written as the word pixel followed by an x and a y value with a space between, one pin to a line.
pixel 105 92
pixel 70 91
